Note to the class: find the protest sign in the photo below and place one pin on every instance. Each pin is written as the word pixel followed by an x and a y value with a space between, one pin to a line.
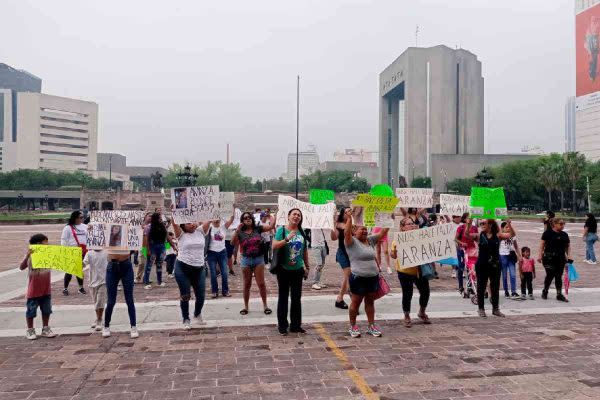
pixel 451 204
pixel 375 204
pixel 195 204
pixel 422 246
pixel 116 237
pixel 315 216
pixel 383 220
pixel 226 200
pixel 60 258
pixel 414 197
pixel 128 217
pixel 382 190
pixel 488 203
pixel 321 196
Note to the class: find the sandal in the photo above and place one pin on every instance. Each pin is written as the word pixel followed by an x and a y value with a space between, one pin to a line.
pixel 244 312
pixel 268 311
pixel 424 318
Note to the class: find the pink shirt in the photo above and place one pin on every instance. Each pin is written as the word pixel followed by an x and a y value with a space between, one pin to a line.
pixel 527 265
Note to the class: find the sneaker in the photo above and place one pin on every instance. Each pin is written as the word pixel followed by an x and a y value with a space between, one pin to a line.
pixel 374 330
pixel 453 274
pixel 198 320
pixel 592 262
pixel 354 331
pixel 545 294
pixel 506 295
pixel 137 281
pixel 562 298
pixel 47 332
pixel 316 286
pixel 187 325
pixel 105 332
pixel 481 313
pixel 497 313
pixel 133 333
pixel 148 287
pixel 82 291
pixel 523 297
pixel 514 294
pixel 119 287
pixel 323 285
pixel 299 330
pixel 97 325
pixel 66 291
pixel 226 294
pixel 282 332
pixel 531 297
pixel 341 304
pixel 30 334
pixel 162 284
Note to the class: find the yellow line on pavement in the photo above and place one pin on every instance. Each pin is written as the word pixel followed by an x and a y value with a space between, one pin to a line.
pixel 356 377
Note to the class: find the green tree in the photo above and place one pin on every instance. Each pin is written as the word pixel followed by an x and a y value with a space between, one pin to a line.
pixel 421 182
pixel 461 186
pixel 549 173
pixel 575 164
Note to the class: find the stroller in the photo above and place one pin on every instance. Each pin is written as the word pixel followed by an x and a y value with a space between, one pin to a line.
pixel 471 258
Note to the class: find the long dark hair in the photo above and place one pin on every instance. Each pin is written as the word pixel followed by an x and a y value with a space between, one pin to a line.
pixel 73 217
pixel 494 229
pixel 300 229
pixel 251 217
pixel 158 232
pixel 340 218
pixel 591 218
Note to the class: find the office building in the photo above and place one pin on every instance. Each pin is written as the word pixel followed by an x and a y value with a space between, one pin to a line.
pixel 587 70
pixel 40 131
pixel 115 166
pixel 430 102
pixel 356 155
pixel 308 162
pixel 570 132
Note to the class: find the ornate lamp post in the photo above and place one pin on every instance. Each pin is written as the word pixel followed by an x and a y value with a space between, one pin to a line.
pixel 187 177
pixel 484 178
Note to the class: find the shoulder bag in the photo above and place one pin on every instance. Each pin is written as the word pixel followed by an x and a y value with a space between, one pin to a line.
pixel 83 246
pixel 279 257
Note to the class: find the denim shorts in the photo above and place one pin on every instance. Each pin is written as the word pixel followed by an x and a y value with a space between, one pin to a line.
pixel 43 302
pixel 361 285
pixel 252 261
pixel 342 259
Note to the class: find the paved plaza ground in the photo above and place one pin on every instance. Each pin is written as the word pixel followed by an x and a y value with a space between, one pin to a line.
pixel 542 350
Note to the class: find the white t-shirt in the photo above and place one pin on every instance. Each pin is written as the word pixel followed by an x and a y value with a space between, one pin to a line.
pixel 318 238
pixel 98 261
pixel 506 246
pixel 217 238
pixel 191 248
pixel 67 238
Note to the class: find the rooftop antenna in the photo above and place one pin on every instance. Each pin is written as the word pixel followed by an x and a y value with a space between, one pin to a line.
pixel 417 36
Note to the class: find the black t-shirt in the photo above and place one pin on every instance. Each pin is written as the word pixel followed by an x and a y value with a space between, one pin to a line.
pixel 556 244
pixel 489 251
pixel 592 226
pixel 341 244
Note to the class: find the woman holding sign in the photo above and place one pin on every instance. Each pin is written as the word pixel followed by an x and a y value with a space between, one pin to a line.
pixel 364 277
pixel 190 268
pixel 488 262
pixel 248 235
pixel 74 234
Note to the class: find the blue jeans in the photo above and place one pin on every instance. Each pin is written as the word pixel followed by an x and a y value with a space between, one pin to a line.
pixel 460 269
pixel 119 271
pixel 195 277
pixel 156 253
pixel 508 268
pixel 590 239
pixel 218 258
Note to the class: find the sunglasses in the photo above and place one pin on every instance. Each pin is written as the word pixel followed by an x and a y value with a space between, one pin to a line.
pixel 482 223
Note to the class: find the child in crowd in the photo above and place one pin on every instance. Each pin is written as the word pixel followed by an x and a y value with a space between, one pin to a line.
pixel 171 254
pixel 97 260
pixel 526 272
pixel 38 292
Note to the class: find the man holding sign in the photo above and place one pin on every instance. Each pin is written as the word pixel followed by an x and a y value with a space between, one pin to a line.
pixel 38 290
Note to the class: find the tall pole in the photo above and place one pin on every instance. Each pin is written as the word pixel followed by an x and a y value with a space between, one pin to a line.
pixel 297 131
pixel 589 196
pixel 110 171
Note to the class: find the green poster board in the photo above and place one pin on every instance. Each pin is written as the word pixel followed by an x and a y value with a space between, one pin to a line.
pixel 488 203
pixel 382 190
pixel 321 196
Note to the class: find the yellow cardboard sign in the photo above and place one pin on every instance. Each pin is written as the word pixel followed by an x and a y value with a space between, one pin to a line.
pixel 374 204
pixel 60 258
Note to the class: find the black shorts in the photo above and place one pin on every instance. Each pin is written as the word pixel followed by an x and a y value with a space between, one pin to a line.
pixel 229 247
pixel 362 286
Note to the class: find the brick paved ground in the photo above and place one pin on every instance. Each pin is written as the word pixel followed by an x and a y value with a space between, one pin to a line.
pixel 15 244
pixel 537 357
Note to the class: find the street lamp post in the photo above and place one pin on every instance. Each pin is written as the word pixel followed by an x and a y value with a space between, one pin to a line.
pixel 484 178
pixel 187 177
pixel 297 130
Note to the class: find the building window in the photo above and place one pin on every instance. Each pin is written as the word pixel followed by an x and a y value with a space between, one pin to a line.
pixel 51 135
pixel 71 146
pixel 60 128
pixel 70 121
pixel 62 153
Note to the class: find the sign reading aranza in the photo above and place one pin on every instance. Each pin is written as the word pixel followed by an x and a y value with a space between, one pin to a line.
pixel 314 216
pixel 422 246
pixel 61 258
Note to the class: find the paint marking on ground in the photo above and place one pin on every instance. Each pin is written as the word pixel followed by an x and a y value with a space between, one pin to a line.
pixel 356 377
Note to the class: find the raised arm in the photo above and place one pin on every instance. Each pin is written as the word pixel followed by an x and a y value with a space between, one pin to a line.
pixel 23 264
pixel 348 232
pixel 229 221
pixel 270 226
pixel 511 231
pixel 206 225
pixel 472 236
pixel 176 229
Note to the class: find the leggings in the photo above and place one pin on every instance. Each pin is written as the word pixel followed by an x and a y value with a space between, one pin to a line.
pixel 115 272
pixel 422 284
pixel 484 273
pixel 554 272
pixel 67 280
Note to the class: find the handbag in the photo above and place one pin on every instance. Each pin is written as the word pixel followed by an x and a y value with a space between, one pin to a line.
pixel 427 271
pixel 573 275
pixel 279 257
pixel 512 256
pixel 83 246
pixel 383 289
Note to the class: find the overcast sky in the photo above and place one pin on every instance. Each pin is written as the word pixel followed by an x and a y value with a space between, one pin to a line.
pixel 176 81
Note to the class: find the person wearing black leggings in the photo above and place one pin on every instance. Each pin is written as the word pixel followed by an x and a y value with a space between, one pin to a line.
pixel 74 234
pixel 555 252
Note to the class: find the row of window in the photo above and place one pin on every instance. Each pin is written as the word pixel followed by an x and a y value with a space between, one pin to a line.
pixel 53 136
pixel 63 112
pixel 70 121
pixel 62 153
pixel 71 146
pixel 72 162
pixel 60 128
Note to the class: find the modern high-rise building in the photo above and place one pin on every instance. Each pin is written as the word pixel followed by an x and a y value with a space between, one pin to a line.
pixel 570 124
pixel 587 50
pixel 356 155
pixel 430 102
pixel 308 162
pixel 40 131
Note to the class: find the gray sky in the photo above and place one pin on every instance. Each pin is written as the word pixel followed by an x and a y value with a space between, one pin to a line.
pixel 176 81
